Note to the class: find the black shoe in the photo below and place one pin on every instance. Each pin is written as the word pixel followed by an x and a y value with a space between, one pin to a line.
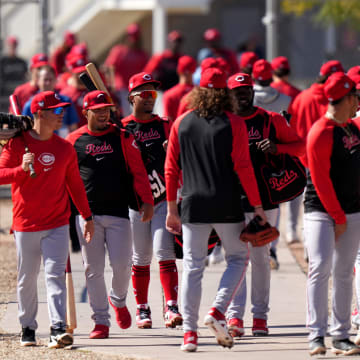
pixel 344 347
pixel 317 346
pixel 27 337
pixel 59 338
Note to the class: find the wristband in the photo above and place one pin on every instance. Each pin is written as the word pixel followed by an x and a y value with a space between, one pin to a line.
pixel 257 206
pixel 89 218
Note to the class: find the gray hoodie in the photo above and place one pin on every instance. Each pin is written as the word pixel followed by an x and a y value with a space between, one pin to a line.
pixel 270 99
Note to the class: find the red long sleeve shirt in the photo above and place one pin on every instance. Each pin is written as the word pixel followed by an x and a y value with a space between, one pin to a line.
pixel 42 203
pixel 24 92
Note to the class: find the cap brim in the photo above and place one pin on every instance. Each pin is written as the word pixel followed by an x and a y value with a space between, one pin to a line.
pixel 78 70
pixel 63 104
pixel 156 83
pixel 240 85
pixel 39 64
pixel 98 106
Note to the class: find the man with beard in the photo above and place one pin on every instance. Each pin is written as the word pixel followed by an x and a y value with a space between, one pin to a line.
pixel 281 139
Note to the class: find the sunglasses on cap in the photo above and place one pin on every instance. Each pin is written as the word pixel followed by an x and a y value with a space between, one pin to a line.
pixel 57 110
pixel 146 94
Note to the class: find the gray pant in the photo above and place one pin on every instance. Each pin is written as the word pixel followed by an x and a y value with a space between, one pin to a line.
pixel 260 278
pixel 195 243
pixel 292 216
pixel 53 245
pixel 113 233
pixel 356 319
pixel 329 257
pixel 149 235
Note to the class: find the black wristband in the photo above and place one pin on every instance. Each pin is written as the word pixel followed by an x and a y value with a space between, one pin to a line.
pixel 89 218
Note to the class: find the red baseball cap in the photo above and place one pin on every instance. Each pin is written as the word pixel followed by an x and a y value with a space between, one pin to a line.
pixel 39 60
pixel 141 79
pixel 76 63
pixel 280 62
pixel 238 80
pixel 247 59
pixel 12 40
pixel 95 100
pixel 262 70
pixel 174 36
pixel 337 86
pixel 212 35
pixel 69 38
pixel 353 71
pixel 80 49
pixel 213 78
pixel 186 64
pixel 208 63
pixel 46 100
pixel 223 64
pixel 330 67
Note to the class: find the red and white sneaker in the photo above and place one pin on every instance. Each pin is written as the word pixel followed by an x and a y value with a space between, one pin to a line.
pixel 143 317
pixel 216 323
pixel 122 315
pixel 260 327
pixel 99 332
pixel 172 316
pixel 190 341
pixel 236 327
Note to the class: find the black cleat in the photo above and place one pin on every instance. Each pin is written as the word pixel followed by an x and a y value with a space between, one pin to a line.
pixel 27 337
pixel 344 347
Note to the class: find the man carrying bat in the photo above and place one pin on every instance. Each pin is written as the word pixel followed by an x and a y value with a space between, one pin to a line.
pixel 106 160
pixel 41 214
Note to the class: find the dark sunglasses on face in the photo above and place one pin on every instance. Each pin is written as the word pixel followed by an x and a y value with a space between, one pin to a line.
pixel 146 94
pixel 57 110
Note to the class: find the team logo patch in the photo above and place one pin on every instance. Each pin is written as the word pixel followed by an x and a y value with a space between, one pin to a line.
pixel 239 78
pixel 46 159
pixel 57 96
pixel 147 77
pixel 210 85
pixel 41 103
pixel 346 85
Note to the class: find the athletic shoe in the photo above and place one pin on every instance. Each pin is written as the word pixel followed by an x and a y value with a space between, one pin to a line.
pixel 260 327
pixel 344 347
pixel 190 341
pixel 357 339
pixel 216 256
pixel 122 316
pixel 27 337
pixel 172 316
pixel 216 323
pixel 143 317
pixel 274 264
pixel 355 317
pixel 317 346
pixel 236 327
pixel 59 338
pixel 100 332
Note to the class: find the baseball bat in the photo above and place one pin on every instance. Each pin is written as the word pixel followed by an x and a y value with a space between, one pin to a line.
pixel 14 107
pixel 98 82
pixel 85 79
pixel 70 299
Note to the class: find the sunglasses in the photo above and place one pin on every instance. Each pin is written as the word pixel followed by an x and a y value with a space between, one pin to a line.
pixel 57 110
pixel 146 94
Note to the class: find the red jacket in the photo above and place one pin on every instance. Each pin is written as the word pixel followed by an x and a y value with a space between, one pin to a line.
pixel 42 203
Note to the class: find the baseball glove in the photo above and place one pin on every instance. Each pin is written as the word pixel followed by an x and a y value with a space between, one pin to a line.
pixel 12 125
pixel 259 235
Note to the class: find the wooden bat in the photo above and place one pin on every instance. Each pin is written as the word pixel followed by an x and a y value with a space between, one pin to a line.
pixel 70 299
pixel 15 108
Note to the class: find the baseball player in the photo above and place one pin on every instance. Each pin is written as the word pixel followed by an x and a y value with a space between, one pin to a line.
pixel 332 216
pixel 210 146
pixel 105 157
pixel 41 214
pixel 282 139
pixel 151 132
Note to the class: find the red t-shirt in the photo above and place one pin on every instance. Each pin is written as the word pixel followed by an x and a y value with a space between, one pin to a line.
pixel 24 92
pixel 57 60
pixel 126 62
pixel 171 100
pixel 42 203
pixel 77 96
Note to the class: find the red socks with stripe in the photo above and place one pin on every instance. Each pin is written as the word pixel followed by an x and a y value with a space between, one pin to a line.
pixel 169 280
pixel 140 279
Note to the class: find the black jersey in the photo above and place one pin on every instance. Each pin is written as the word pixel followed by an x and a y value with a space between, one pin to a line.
pixel 150 137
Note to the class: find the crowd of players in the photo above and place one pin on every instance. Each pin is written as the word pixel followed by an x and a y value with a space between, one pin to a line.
pixel 208 105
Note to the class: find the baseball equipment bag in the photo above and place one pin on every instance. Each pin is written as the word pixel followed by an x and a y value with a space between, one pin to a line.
pixel 12 125
pixel 259 235
pixel 283 175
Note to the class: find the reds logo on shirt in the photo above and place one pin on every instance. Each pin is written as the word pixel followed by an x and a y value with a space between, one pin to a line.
pixel 350 142
pixel 46 159
pixel 144 136
pixel 254 134
pixel 93 149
